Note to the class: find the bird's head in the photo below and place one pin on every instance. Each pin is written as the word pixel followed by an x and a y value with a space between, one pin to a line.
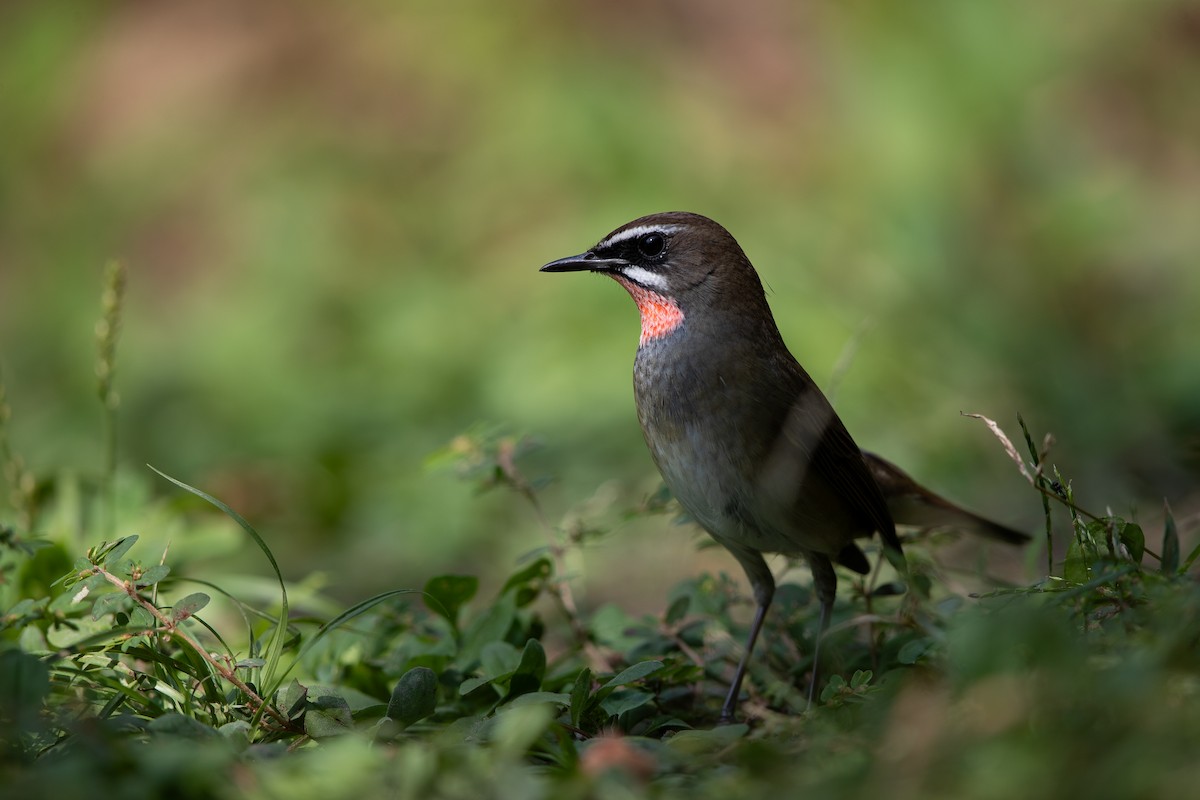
pixel 675 265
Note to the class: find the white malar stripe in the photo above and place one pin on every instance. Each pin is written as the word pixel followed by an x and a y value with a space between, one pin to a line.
pixel 633 233
pixel 644 277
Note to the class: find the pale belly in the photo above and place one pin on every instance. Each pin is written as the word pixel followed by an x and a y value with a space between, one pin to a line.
pixel 725 490
pixel 744 485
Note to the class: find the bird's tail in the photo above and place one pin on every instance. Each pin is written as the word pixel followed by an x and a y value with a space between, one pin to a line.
pixel 913 505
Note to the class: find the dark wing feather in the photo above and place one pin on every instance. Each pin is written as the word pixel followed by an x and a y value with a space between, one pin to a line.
pixel 835 459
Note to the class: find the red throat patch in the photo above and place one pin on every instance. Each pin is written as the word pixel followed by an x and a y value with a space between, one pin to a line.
pixel 660 315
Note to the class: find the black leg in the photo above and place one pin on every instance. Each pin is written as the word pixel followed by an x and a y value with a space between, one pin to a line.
pixel 736 687
pixel 763 584
pixel 825 583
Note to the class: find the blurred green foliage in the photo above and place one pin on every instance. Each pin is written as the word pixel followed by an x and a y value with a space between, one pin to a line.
pixel 134 672
pixel 332 215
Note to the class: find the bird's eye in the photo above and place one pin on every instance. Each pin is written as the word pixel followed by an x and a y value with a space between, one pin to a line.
pixel 651 244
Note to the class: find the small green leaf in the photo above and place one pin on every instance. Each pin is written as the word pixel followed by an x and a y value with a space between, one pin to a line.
pixel 498 659
pixel 833 687
pixel 118 549
pixel 292 698
pixel 561 699
pixel 189 606
pixel 624 700
pixel 1100 530
pixel 111 603
pixel 528 581
pixel 579 695
pixel 489 626
pixel 678 609
pixel 642 669
pixel 636 672
pixel 415 696
pixel 471 684
pixel 153 575
pixel 1131 535
pixel 328 715
pixel 1192 556
pixel 446 594
pixel 529 673
pixel 1170 545
pixel 1076 568
pixel 518 728
pixel 861 678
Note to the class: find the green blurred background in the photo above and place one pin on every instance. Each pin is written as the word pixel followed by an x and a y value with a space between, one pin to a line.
pixel 333 215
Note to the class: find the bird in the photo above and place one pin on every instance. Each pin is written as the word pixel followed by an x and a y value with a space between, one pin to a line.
pixel 743 437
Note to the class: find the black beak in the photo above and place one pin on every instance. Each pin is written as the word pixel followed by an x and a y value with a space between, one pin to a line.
pixel 583 262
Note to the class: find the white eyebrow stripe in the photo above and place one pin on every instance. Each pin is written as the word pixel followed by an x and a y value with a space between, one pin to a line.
pixel 633 233
pixel 645 277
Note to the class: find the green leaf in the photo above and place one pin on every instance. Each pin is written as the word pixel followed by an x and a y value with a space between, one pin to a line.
pixel 1170 545
pixel 636 672
pixel 140 617
pixel 1100 530
pixel 610 626
pixel 1076 568
pixel 490 626
pixel 833 687
pixel 415 696
pixel 529 581
pixel 292 698
pixel 118 549
pixel 499 660
pixel 529 673
pixel 1192 556
pixel 624 700
pixel 446 594
pixel 328 715
pixel 642 669
pixel 1131 535
pixel 471 684
pixel 579 695
pixel 517 728
pixel 153 575
pixel 111 603
pixel 861 678
pixel 189 606
pixel 678 609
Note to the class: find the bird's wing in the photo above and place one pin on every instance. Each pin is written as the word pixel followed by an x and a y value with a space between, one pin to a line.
pixel 839 461
pixel 817 436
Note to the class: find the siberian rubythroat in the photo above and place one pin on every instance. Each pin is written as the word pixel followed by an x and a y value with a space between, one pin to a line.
pixel 744 439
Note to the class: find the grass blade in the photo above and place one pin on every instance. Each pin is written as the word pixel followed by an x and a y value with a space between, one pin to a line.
pixel 275 648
